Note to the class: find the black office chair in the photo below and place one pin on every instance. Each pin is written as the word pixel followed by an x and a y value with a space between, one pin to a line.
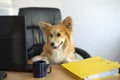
pixel 35 41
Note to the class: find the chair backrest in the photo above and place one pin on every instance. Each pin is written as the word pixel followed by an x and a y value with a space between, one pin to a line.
pixel 34 36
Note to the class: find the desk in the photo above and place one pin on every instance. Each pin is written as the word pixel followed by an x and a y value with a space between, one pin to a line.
pixel 58 73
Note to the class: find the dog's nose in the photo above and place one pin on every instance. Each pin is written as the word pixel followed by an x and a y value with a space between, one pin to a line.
pixel 52 44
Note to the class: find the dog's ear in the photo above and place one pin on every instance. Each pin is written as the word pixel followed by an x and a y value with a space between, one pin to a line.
pixel 68 22
pixel 44 25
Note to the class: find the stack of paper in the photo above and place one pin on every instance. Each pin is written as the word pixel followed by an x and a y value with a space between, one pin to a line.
pixel 94 67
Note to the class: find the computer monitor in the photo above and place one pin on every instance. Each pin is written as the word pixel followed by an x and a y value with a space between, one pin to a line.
pixel 13 53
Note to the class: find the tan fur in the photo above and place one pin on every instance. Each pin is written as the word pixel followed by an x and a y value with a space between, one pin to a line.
pixel 61 36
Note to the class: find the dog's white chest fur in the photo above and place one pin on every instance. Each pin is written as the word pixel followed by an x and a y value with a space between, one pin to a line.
pixel 56 56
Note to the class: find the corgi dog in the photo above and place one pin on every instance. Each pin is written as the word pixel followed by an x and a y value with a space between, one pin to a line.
pixel 59 47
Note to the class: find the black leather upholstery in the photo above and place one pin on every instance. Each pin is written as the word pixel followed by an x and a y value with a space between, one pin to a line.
pixel 34 15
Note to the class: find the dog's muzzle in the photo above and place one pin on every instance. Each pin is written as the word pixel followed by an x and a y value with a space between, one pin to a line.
pixel 55 47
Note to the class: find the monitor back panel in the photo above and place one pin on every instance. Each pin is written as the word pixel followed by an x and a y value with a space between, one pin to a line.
pixel 12 43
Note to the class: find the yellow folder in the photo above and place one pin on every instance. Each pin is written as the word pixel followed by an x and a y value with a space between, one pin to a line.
pixel 90 66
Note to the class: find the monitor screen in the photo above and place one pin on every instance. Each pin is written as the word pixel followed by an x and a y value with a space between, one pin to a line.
pixel 12 43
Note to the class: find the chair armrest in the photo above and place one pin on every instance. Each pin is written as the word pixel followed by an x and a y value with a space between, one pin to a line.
pixel 82 53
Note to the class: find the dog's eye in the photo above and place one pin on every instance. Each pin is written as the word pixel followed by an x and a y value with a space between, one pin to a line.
pixel 51 35
pixel 58 34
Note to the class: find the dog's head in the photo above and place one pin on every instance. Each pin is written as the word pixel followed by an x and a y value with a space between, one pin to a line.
pixel 57 35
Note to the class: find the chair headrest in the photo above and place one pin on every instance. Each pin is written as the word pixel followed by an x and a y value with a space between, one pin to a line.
pixel 34 15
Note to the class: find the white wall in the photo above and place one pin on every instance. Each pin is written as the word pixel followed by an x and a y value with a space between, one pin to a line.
pixel 96 23
pixel 96 26
pixel 33 3
pixel 12 6
pixel 5 7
